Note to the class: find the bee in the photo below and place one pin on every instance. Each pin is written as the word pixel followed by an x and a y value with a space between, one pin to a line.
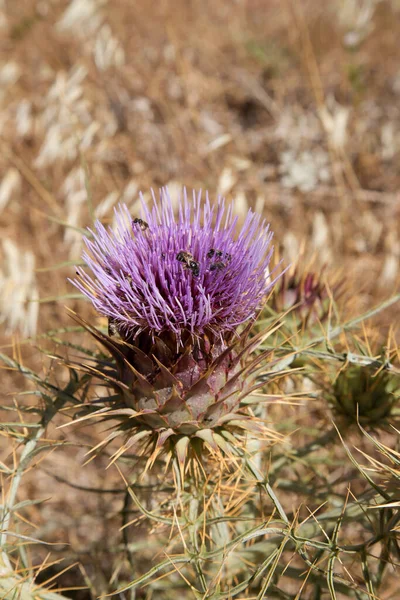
pixel 142 224
pixel 194 267
pixel 217 266
pixel 187 259
pixel 218 254
pixel 184 257
pixel 112 327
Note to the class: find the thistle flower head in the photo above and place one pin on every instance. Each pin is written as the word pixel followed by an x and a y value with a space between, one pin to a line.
pixel 176 290
pixel 159 274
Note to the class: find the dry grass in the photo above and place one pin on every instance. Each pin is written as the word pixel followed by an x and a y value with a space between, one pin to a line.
pixel 290 107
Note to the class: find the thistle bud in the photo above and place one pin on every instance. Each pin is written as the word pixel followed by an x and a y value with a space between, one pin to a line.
pixel 306 293
pixel 361 393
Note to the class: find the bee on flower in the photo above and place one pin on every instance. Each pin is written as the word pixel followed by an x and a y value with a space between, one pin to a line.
pixel 180 295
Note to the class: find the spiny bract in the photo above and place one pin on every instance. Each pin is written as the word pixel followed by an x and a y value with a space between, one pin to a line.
pixel 176 293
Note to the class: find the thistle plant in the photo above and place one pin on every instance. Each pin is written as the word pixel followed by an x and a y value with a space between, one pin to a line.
pixel 180 296
pixel 188 375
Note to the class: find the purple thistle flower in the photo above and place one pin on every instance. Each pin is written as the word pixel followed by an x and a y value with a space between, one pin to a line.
pixel 176 289
pixel 160 274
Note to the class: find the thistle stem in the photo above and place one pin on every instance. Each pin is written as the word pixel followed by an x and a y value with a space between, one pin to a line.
pixel 62 396
pixel 7 510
